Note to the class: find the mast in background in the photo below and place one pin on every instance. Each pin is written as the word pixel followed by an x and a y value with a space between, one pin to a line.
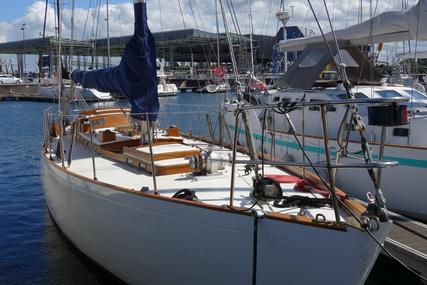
pixel 59 17
pixel 108 36
pixel 251 26
pixel 284 17
pixel 70 64
pixel 217 33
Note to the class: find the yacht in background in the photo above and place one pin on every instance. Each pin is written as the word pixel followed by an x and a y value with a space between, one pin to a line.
pixel 164 88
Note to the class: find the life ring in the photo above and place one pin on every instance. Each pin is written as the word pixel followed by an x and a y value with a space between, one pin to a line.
pixel 219 71
pixel 257 85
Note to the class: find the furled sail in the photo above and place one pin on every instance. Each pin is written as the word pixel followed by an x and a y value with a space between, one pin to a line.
pixel 390 26
pixel 136 76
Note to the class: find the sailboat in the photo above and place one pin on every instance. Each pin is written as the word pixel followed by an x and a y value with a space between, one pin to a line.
pixel 407 144
pixel 219 83
pixel 164 88
pixel 153 206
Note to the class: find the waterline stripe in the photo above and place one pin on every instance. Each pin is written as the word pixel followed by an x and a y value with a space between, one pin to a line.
pixel 320 150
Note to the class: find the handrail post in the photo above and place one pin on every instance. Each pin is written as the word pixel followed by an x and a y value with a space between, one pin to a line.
pixel 92 148
pixel 61 138
pixel 150 146
pixel 73 139
pixel 381 155
pixel 303 138
pixel 221 128
pixel 233 161
pixel 210 129
pixel 45 131
pixel 328 162
pixel 49 128
pixel 273 137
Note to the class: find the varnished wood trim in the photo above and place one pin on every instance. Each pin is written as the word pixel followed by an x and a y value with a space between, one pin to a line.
pixel 356 207
pixel 103 111
pixel 160 156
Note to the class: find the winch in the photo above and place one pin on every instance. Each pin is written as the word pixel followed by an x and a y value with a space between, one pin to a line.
pixel 209 162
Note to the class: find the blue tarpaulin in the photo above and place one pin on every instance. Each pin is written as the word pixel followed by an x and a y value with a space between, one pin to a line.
pixel 136 76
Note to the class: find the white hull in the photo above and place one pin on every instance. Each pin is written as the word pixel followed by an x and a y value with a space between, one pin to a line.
pixel 166 89
pixel 166 94
pixel 217 88
pixel 147 240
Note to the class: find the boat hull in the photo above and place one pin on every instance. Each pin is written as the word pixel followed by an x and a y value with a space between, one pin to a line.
pixel 152 240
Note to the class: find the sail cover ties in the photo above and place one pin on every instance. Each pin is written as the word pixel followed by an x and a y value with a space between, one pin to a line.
pixel 136 76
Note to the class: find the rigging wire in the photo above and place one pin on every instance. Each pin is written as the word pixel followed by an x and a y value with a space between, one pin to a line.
pixel 95 36
pixel 161 28
pixel 204 28
pixel 235 22
pixel 267 21
pixel 416 66
pixel 232 55
pixel 190 46
pixel 86 20
pixel 217 33
pixel 197 27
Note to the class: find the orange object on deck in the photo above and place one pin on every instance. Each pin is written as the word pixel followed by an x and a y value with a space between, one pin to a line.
pixel 172 132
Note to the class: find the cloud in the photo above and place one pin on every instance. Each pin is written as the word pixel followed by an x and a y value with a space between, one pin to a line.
pixel 165 15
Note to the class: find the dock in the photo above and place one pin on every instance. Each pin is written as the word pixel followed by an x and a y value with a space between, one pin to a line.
pixel 22 92
pixel 27 97
pixel 408 242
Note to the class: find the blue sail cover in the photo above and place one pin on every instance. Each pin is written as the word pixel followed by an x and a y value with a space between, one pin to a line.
pixel 136 76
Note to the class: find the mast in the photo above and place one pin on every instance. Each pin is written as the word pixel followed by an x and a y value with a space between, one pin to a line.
pixel 232 54
pixel 72 34
pixel 61 100
pixel 284 17
pixel 108 36
pixel 251 26
pixel 43 36
pixel 217 33
pixel 59 16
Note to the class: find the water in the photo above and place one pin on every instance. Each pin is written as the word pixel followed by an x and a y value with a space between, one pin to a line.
pixel 32 250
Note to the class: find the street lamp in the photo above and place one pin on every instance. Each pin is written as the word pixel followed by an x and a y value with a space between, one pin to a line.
pixel 23 44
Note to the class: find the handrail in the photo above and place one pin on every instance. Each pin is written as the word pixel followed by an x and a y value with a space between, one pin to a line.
pixel 232 138
pixel 377 101
pixel 379 164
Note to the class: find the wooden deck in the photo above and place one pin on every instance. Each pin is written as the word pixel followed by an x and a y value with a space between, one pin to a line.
pixel 408 242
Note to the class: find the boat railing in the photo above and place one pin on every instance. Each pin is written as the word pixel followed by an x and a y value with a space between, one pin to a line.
pixel 208 123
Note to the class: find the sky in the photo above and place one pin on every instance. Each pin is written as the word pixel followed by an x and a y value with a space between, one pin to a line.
pixel 165 15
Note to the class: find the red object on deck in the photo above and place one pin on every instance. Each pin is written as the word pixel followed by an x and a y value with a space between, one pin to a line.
pixel 280 178
pixel 302 185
